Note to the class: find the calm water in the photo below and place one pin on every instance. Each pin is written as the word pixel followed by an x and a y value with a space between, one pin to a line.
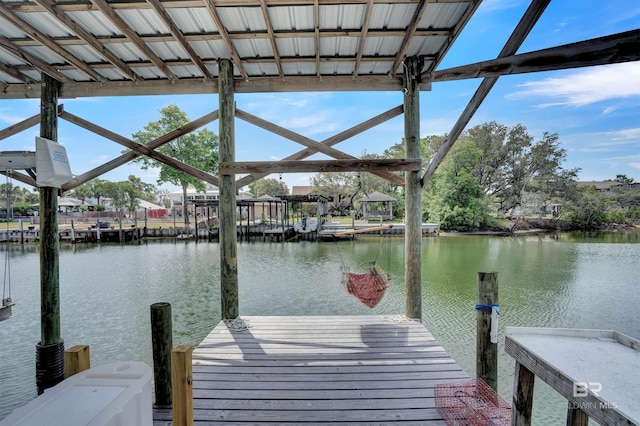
pixel 581 281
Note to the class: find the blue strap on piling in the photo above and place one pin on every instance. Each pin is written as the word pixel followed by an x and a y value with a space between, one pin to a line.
pixel 488 308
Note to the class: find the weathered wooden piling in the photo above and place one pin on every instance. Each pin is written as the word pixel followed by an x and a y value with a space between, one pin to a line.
pixel 413 190
pixel 228 223
pixel 486 351
pixel 50 349
pixel 161 342
pixel 522 396
pixel 182 385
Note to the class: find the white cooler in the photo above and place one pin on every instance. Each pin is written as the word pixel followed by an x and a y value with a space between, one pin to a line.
pixel 116 394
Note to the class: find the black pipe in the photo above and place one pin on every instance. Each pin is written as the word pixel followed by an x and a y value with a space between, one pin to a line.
pixel 49 365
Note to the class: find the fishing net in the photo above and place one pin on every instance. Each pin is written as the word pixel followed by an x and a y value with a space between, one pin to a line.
pixel 368 288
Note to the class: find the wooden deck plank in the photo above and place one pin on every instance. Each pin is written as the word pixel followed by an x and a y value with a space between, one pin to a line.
pixel 372 370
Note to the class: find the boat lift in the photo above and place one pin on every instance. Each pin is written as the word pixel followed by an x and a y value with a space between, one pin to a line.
pixel 49 166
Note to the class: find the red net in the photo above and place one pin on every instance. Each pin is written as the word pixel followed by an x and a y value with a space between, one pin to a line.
pixel 368 288
pixel 471 402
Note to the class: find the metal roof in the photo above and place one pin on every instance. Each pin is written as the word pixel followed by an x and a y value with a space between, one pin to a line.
pixel 117 47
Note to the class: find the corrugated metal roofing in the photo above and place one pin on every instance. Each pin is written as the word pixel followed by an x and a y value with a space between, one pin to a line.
pixel 338 47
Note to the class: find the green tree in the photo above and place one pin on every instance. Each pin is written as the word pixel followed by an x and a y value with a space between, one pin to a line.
pixel 123 195
pixel 95 188
pixel 162 197
pixel 268 186
pixel 146 191
pixel 624 179
pixel 512 164
pixel 456 198
pixel 342 187
pixel 588 210
pixel 198 149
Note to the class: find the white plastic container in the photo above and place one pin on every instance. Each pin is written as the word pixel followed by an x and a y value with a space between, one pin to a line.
pixel 52 163
pixel 117 394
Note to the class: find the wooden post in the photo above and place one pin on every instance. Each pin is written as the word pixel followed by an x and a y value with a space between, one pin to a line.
pixel 486 352
pixel 49 247
pixel 50 349
pixel 182 379
pixel 522 406
pixel 76 360
pixel 196 225
pixel 73 232
pixel 576 417
pixel 228 231
pixel 413 191
pixel 162 342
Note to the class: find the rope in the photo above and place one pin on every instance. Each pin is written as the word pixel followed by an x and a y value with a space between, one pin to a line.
pixel 237 324
pixel 345 267
pixel 488 308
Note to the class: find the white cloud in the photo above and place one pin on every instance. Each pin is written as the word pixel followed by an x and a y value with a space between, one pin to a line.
pixel 587 87
pixel 635 165
pixel 626 134
pixel 10 118
pixel 629 136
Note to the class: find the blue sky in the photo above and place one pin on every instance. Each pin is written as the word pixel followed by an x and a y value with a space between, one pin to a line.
pixel 595 111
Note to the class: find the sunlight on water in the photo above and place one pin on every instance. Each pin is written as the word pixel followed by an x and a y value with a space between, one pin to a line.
pixel 106 291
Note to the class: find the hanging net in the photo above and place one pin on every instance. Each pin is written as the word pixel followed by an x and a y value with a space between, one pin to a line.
pixel 368 288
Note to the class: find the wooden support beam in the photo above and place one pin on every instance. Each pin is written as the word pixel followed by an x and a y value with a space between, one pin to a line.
pixel 15 175
pixel 363 36
pixel 213 12
pixel 19 127
pixel 228 226
pixel 316 30
pixel 454 33
pixel 15 73
pixel 76 360
pixel 329 166
pixel 269 84
pixel 141 149
pixel 530 17
pixel 417 16
pixel 125 158
pixel 613 49
pixel 272 39
pixel 86 36
pixel 45 40
pixel 133 37
pixel 340 137
pixel 576 417
pixel 522 405
pixel 37 63
pixel 179 36
pixel 182 385
pixel 413 191
pixel 309 143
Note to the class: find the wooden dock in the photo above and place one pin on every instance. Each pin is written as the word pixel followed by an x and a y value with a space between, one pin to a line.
pixel 371 370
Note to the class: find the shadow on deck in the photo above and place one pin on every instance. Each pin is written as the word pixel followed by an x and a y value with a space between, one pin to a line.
pixel 369 370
